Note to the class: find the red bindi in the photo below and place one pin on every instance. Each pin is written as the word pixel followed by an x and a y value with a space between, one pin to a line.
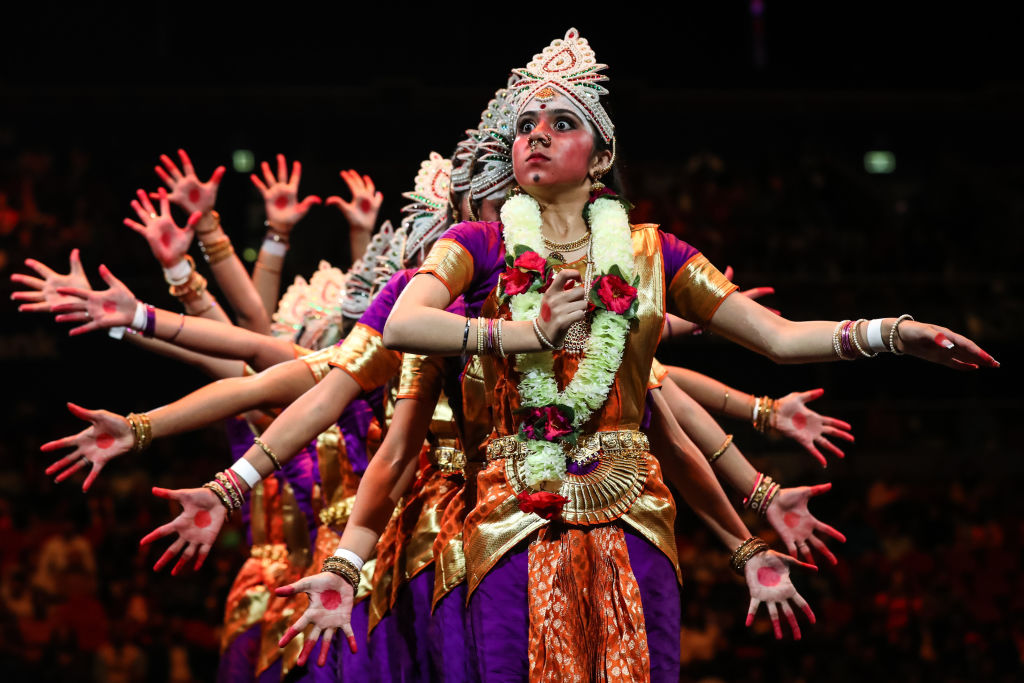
pixel 543 106
pixel 104 440
pixel 193 195
pixel 109 307
pixel 767 576
pixel 799 421
pixel 791 519
pixel 281 202
pixel 203 519
pixel 545 312
pixel 330 599
pixel 365 206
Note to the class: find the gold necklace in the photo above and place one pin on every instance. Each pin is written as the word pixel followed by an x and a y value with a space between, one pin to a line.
pixel 557 251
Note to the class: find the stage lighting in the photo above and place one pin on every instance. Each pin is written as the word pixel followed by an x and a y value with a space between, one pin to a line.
pixel 243 160
pixel 879 161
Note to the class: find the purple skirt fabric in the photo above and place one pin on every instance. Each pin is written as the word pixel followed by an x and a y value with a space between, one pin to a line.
pixel 355 668
pixel 499 617
pixel 398 645
pixel 238 662
pixel 448 641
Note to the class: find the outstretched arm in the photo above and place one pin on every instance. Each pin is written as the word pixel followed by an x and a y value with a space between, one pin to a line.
pixel 117 306
pixel 284 210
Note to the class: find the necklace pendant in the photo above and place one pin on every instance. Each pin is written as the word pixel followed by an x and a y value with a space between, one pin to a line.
pixel 575 342
pixel 556 257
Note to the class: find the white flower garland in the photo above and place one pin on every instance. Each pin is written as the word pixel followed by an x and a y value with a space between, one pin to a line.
pixel 588 390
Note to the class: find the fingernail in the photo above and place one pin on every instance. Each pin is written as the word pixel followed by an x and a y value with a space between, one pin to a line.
pixel 750 619
pixel 352 644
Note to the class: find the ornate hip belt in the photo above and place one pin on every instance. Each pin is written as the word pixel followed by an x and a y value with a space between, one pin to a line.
pixel 272 552
pixel 612 480
pixel 447 458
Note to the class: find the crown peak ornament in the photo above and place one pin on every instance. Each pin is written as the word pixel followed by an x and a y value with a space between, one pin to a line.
pixel 567 66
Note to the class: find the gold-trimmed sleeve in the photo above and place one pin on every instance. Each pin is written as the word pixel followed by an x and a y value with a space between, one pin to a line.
pixel 363 356
pixel 419 375
pixel 319 362
pixel 452 264
pixel 698 289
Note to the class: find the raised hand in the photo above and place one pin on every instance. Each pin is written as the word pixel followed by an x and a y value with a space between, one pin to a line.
pixel 197 526
pixel 794 419
pixel 97 309
pixel 168 242
pixel 280 194
pixel 767 576
pixel 107 437
pixel 361 212
pixel 42 294
pixel 186 189
pixel 796 526
pixel 562 304
pixel 941 345
pixel 330 608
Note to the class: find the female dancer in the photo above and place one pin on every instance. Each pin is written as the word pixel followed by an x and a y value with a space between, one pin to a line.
pixel 563 143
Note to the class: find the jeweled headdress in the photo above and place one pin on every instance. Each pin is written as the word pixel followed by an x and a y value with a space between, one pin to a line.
pixel 567 66
pixel 462 164
pixel 494 144
pixel 425 216
pixel 363 274
pixel 308 305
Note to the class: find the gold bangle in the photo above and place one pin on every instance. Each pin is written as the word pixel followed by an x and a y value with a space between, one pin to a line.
pixel 721 449
pixel 746 550
pixel 230 487
pixel 142 431
pixel 270 454
pixel 221 495
pixel 343 568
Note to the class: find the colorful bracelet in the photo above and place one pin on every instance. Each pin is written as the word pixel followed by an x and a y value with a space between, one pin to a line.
pixel 342 567
pixel 746 550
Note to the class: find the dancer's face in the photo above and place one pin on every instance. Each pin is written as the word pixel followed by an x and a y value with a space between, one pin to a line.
pixel 568 160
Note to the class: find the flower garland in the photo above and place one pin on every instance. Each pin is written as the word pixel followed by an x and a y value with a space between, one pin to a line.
pixel 554 417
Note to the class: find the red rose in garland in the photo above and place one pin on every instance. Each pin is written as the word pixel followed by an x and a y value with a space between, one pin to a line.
pixel 528 267
pixel 616 294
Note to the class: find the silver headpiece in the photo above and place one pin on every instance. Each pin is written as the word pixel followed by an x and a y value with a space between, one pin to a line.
pixel 494 147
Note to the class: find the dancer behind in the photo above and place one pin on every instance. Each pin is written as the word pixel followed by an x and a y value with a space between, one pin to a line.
pixel 563 143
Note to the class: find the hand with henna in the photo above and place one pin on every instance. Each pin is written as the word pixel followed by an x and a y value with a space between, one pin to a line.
pixel 562 304
pixel 281 195
pixel 186 189
pixel 941 345
pixel 41 295
pixel 796 526
pixel 793 418
pixel 361 212
pixel 767 576
pixel 197 525
pixel 107 436
pixel 168 242
pixel 98 309
pixel 330 608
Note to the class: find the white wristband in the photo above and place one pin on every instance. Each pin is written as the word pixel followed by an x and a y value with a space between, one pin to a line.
pixel 274 248
pixel 246 471
pixel 875 341
pixel 117 332
pixel 139 321
pixel 179 273
pixel 350 556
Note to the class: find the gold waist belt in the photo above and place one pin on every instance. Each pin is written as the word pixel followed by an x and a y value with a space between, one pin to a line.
pixel 607 490
pixel 274 552
pixel 623 442
pixel 447 458
pixel 337 513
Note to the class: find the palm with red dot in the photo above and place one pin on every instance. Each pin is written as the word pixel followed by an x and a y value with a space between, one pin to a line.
pixel 768 581
pixel 167 241
pixel 792 520
pixel 361 212
pixel 97 309
pixel 793 418
pixel 330 608
pixel 187 191
pixel 107 436
pixel 197 525
pixel 42 294
pixel 281 194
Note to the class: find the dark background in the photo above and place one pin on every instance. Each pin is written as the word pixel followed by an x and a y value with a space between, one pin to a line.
pixel 742 128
